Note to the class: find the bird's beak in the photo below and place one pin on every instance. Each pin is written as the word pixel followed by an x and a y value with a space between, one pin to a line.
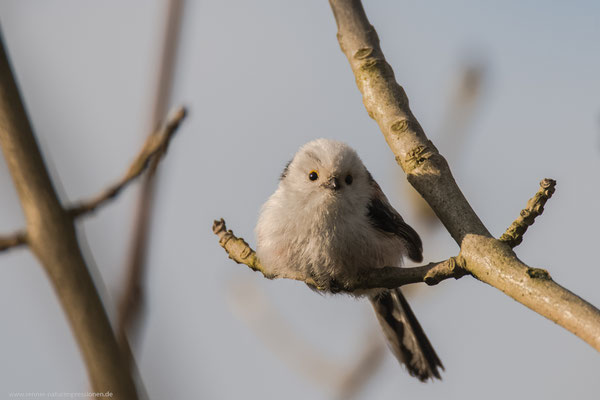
pixel 333 183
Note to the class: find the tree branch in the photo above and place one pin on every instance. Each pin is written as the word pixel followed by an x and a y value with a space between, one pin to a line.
pixel 153 150
pixel 131 302
pixel 535 207
pixel 52 238
pixel 486 258
pixel 11 241
pixel 376 278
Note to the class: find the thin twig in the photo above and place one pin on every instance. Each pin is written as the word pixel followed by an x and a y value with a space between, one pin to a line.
pixel 375 278
pixel 12 241
pixel 237 248
pixel 131 301
pixel 154 148
pixel 459 114
pixel 535 207
pixel 364 368
pixel 253 307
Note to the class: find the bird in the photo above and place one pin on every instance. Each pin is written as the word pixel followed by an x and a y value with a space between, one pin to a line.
pixel 327 222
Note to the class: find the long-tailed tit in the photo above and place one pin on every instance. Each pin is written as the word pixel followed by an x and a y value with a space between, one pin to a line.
pixel 329 220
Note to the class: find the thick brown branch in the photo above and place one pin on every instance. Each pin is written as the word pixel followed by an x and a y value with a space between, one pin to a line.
pixel 52 238
pixel 376 278
pixel 488 259
pixel 535 207
pixel 14 240
pixel 154 148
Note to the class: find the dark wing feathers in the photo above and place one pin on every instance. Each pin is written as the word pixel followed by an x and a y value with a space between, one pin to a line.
pixel 383 216
pixel 285 170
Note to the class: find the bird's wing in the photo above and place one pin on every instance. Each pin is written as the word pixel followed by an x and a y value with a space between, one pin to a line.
pixel 383 217
pixel 285 170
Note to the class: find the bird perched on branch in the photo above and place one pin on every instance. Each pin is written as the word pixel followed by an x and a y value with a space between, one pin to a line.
pixel 329 220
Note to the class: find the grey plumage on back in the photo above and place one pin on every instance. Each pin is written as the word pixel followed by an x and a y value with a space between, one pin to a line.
pixel 328 220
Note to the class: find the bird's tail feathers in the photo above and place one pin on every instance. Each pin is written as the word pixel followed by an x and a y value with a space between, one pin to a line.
pixel 405 336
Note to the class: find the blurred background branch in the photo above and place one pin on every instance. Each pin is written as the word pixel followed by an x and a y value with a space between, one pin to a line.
pixel 52 238
pixel 464 100
pixel 150 155
pixel 51 234
pixel 14 240
pixel 344 378
pixel 131 302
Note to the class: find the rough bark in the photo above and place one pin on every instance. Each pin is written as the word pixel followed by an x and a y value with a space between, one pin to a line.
pixel 489 260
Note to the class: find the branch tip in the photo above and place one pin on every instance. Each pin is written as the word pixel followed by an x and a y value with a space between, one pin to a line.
pixel 11 241
pixel 535 207
pixel 373 278
pixel 237 248
pixel 154 148
pixel 454 267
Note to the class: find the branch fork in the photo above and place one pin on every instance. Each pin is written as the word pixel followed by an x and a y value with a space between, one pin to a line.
pixel 488 259
pixel 155 147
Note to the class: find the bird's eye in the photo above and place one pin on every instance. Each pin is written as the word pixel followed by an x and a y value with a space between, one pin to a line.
pixel 349 179
pixel 313 175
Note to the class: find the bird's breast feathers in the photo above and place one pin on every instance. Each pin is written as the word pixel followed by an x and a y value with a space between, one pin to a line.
pixel 329 241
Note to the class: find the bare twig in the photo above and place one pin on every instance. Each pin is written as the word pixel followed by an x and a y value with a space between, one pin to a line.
pixel 535 207
pixel 253 307
pixel 460 112
pixel 359 374
pixel 462 106
pixel 386 277
pixel 152 151
pixel 486 258
pixel 51 237
pixel 346 378
pixel 12 241
pixel 237 248
pixel 131 300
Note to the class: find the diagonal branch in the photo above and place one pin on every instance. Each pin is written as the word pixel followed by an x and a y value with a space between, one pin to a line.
pixel 386 277
pixel 14 240
pixel 486 258
pixel 535 207
pixel 155 147
pixel 52 238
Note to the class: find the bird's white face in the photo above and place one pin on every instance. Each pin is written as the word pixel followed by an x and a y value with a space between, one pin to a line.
pixel 328 173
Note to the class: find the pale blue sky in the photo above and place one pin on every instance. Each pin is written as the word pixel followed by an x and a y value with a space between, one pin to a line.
pixel 260 79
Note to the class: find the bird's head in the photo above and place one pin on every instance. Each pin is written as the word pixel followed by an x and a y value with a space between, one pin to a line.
pixel 327 172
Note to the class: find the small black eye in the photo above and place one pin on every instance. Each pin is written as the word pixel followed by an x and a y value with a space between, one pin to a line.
pixel 349 179
pixel 313 176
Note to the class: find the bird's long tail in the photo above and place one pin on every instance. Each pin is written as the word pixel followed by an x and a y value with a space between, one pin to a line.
pixel 405 336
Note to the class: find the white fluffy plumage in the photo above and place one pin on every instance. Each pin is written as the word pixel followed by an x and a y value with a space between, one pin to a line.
pixel 309 229
pixel 329 220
